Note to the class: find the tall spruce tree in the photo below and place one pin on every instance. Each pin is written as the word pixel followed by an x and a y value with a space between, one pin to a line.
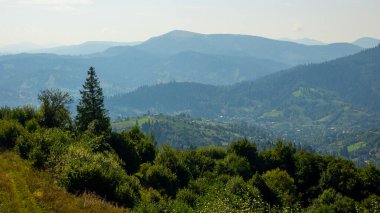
pixel 91 112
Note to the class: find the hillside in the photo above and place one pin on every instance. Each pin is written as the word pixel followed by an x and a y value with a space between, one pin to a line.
pixel 303 102
pixel 184 132
pixel 23 189
pixel 208 59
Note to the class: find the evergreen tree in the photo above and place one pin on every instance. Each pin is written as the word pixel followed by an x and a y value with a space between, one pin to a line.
pixel 91 112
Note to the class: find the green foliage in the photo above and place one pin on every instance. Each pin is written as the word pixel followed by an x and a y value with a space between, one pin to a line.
pixel 187 196
pixel 332 201
pixel 126 168
pixel 9 131
pixel 282 184
pixel 32 125
pixel 370 179
pixel 308 169
pixel 268 194
pixel 184 132
pixel 91 112
pixel 281 156
pixel 371 203
pixel 126 150
pixel 245 149
pixel 43 147
pixel 342 176
pixel 81 170
pixel 234 165
pixel 54 108
pixel 162 179
pixel 96 143
pixel 21 114
pixel 216 153
pixel 173 160
pixel 197 163
pixel 232 196
pixel 144 145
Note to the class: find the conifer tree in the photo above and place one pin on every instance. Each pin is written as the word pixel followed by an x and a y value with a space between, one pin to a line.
pixel 91 112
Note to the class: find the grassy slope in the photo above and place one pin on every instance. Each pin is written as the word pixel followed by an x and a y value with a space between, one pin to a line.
pixel 22 189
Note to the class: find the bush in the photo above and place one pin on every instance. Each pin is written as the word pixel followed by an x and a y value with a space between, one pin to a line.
pixel 268 194
pixel 127 192
pixel 151 201
pixel 174 160
pixel 233 196
pixel 280 182
pixel 20 114
pixel 162 179
pixel 82 170
pixel 186 196
pixel 245 149
pixel 43 147
pixel 233 165
pixel 32 125
pixel 371 204
pixel 126 150
pixel 9 131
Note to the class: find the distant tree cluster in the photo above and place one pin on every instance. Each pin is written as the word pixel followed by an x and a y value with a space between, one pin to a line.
pixel 128 169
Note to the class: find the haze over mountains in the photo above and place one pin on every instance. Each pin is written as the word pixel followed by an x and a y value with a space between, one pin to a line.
pixel 86 48
pixel 176 56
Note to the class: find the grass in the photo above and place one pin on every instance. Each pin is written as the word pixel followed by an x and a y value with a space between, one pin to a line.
pixel 356 146
pixel 274 113
pixel 23 189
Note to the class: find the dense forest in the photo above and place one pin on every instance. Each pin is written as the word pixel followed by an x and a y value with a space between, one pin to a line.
pixel 84 155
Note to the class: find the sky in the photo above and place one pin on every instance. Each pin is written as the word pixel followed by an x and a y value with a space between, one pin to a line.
pixel 57 22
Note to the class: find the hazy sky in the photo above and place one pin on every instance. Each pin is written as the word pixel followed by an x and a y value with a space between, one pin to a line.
pixel 76 21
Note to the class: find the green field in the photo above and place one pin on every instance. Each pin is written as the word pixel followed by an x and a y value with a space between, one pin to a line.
pixel 356 146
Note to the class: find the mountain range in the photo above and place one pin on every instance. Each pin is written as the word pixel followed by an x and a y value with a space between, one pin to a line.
pixel 220 59
pixel 340 95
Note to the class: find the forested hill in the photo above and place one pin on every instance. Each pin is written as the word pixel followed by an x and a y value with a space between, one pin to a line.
pixel 183 132
pixel 344 92
pixel 353 79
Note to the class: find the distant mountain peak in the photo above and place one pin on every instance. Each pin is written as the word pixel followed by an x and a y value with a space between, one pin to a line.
pixel 304 41
pixel 182 33
pixel 367 42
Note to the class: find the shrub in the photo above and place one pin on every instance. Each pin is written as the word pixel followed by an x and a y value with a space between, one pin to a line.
pixel 186 196
pixel 233 165
pixel 43 147
pixel 32 125
pixel 9 131
pixel 162 179
pixel 280 182
pixel 127 191
pixel 173 160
